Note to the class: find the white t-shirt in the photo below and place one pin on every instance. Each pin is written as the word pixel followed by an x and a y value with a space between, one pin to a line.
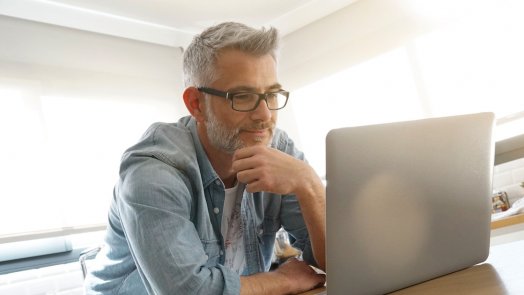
pixel 233 231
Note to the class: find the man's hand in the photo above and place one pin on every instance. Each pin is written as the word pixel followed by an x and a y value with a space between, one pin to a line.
pixel 301 276
pixel 291 277
pixel 270 170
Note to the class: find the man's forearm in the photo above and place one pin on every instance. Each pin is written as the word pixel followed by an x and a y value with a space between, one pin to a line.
pixel 312 200
pixel 291 277
pixel 264 283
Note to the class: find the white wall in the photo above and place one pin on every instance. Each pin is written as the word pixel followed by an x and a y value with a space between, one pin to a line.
pixel 363 30
pixel 354 34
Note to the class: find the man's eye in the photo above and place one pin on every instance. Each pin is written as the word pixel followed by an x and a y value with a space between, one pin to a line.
pixel 272 95
pixel 244 96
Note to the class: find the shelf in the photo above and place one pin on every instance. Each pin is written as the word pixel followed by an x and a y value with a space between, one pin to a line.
pixel 507 221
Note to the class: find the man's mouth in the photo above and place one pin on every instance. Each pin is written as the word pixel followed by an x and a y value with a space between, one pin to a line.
pixel 258 135
pixel 258 131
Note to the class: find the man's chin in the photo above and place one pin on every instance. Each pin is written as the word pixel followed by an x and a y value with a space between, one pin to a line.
pixel 258 140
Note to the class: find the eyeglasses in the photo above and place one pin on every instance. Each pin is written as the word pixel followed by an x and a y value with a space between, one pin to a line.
pixel 248 101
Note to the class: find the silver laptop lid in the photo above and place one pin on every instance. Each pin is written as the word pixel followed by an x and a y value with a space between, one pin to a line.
pixel 407 201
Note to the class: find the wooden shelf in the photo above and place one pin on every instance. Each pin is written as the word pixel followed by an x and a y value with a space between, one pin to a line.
pixel 507 221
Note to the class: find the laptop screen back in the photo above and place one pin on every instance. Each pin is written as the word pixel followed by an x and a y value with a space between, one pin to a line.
pixel 407 201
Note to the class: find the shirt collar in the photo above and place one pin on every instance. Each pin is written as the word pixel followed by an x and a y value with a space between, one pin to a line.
pixel 206 170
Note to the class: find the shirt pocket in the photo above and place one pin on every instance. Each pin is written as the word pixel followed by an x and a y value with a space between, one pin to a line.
pixel 212 249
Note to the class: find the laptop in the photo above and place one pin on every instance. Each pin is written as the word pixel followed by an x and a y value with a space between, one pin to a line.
pixel 407 202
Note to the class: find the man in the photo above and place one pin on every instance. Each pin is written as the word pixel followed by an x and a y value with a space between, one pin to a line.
pixel 199 202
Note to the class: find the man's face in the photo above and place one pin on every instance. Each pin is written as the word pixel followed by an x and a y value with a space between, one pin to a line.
pixel 228 130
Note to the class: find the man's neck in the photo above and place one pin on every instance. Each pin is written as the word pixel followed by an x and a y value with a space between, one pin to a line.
pixel 220 161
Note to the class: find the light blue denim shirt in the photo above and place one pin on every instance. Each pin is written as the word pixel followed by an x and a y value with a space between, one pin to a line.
pixel 163 235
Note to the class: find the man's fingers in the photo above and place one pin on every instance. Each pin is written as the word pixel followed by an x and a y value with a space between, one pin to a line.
pixel 246 176
pixel 245 152
pixel 246 160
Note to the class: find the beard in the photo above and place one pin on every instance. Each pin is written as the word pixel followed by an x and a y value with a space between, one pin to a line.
pixel 228 139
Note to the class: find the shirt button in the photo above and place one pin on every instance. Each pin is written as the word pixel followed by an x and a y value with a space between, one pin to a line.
pixel 216 210
pixel 217 182
pixel 221 252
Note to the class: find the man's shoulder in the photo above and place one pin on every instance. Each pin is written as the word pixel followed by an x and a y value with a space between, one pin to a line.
pixel 284 143
pixel 280 138
pixel 161 131
pixel 171 143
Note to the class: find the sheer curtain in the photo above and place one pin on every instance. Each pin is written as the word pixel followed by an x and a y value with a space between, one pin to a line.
pixel 71 102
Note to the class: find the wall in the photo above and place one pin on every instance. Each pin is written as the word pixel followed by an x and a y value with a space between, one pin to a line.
pixel 360 31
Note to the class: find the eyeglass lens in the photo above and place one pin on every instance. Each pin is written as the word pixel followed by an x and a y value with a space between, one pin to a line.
pixel 249 101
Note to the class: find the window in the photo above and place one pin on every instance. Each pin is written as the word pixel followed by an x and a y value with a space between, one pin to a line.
pixel 67 113
pixel 377 91
pixel 470 65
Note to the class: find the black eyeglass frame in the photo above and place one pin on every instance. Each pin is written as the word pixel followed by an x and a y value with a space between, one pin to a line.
pixel 229 96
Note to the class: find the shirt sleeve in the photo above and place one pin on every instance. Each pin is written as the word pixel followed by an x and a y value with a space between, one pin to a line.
pixel 157 212
pixel 290 214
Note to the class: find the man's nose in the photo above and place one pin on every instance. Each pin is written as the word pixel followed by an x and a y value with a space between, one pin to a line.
pixel 262 111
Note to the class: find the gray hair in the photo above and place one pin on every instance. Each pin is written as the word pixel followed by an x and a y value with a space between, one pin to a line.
pixel 200 56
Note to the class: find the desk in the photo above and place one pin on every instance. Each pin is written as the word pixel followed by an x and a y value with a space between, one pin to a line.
pixel 502 273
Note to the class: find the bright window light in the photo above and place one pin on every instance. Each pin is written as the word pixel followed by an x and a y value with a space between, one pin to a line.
pixel 377 91
pixel 467 65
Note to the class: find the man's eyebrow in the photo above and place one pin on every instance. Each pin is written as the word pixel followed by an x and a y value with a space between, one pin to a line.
pixel 242 88
pixel 275 86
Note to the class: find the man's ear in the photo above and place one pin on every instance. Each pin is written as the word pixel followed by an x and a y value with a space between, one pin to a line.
pixel 193 100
